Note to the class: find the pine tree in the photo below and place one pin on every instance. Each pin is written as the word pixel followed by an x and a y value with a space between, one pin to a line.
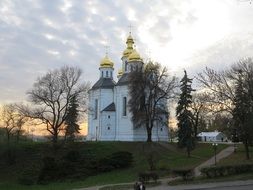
pixel 71 119
pixel 242 113
pixel 184 115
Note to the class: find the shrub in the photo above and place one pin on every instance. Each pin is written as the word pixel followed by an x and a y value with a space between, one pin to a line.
pixel 29 175
pixel 216 171
pixel 147 176
pixel 72 156
pixel 121 159
pixel 186 174
pixel 116 160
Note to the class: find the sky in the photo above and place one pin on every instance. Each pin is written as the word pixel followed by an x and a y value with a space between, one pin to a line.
pixel 40 35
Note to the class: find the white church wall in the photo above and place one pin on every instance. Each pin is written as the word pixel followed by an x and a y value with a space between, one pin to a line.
pixel 106 98
pixel 108 126
pixel 123 123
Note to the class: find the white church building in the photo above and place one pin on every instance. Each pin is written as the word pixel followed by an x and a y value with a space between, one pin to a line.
pixel 109 118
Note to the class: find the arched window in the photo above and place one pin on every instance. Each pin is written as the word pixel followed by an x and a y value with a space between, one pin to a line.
pixel 102 73
pixel 111 74
pixel 106 73
pixel 124 110
pixel 96 109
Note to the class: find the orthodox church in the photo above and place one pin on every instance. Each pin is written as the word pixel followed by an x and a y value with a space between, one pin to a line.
pixel 109 118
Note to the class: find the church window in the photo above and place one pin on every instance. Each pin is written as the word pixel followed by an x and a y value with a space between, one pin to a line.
pixel 131 67
pixel 96 109
pixel 109 116
pixel 108 128
pixel 111 74
pixel 124 106
pixel 102 73
pixel 106 73
pixel 161 129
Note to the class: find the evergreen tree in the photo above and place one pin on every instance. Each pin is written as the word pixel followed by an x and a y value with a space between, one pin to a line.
pixel 184 115
pixel 243 112
pixel 71 119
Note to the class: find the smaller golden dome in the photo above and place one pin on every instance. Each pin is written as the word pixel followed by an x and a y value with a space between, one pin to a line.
pixel 134 56
pixel 120 73
pixel 127 52
pixel 129 49
pixel 106 62
pixel 130 39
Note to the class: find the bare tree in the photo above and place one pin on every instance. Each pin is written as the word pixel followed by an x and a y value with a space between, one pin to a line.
pixel 8 119
pixel 51 95
pixel 199 107
pixel 12 121
pixel 231 91
pixel 220 90
pixel 150 88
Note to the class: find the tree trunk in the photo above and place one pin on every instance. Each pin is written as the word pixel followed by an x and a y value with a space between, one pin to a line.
pixel 246 145
pixel 188 151
pixel 149 131
pixel 8 137
pixel 196 126
pixel 55 140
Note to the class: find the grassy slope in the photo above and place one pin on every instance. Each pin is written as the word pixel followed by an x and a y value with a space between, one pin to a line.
pixel 167 157
pixel 236 158
pixel 239 157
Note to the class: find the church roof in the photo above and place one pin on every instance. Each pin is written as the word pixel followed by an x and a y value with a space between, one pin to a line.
pixel 104 83
pixel 111 107
pixel 123 80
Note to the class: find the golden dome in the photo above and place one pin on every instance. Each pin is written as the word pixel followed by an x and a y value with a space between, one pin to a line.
pixel 106 62
pixel 134 56
pixel 129 49
pixel 120 72
pixel 127 52
pixel 130 39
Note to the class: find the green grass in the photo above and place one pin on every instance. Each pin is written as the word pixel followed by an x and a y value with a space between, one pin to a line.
pixel 166 158
pixel 238 157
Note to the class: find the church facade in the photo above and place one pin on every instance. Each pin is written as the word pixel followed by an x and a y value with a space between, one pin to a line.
pixel 109 118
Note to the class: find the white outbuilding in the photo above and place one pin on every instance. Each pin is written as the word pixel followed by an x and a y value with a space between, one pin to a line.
pixel 215 136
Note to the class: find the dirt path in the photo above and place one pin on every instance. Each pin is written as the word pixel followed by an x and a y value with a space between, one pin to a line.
pixel 223 154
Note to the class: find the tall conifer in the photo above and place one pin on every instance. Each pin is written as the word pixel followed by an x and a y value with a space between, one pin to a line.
pixel 184 115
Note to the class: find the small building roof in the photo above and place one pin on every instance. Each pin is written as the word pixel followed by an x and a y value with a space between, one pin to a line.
pixel 104 83
pixel 111 107
pixel 123 80
pixel 209 134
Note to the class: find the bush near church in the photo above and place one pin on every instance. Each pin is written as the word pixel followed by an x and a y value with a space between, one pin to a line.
pixel 226 170
pixel 72 165
pixel 186 174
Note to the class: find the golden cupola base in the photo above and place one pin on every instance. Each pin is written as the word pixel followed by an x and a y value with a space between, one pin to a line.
pixel 106 63
pixel 134 56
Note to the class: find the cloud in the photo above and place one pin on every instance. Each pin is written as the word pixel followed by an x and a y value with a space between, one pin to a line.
pixel 38 35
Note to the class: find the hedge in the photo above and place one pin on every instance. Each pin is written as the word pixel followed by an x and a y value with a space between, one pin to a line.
pixel 226 170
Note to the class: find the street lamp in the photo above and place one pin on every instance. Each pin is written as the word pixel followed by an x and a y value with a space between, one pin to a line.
pixel 215 150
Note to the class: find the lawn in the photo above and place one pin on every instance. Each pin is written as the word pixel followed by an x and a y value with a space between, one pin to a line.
pixel 166 156
pixel 239 157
